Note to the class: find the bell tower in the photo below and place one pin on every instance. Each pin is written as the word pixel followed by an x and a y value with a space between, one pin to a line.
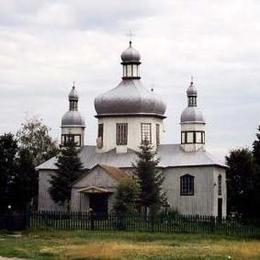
pixel 72 123
pixel 192 123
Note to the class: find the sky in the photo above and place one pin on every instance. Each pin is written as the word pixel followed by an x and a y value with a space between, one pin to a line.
pixel 45 45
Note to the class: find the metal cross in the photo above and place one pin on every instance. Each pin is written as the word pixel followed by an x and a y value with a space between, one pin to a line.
pixel 130 35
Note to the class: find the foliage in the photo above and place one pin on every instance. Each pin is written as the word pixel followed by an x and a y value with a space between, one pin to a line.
pixel 34 136
pixel 150 178
pixel 25 182
pixel 240 182
pixel 256 147
pixel 126 198
pixel 8 150
pixel 69 170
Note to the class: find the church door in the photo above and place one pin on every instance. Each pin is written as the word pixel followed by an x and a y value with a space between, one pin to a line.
pixel 99 203
pixel 220 201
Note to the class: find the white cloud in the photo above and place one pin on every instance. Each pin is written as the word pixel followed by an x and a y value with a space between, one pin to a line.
pixel 45 45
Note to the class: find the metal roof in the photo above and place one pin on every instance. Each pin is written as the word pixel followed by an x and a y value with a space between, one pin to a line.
pixel 130 97
pixel 72 118
pixel 171 155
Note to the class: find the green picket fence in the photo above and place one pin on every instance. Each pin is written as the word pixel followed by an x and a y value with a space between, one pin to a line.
pixel 161 223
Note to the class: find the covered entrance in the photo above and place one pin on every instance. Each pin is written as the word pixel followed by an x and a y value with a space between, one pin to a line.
pixel 99 203
pixel 98 200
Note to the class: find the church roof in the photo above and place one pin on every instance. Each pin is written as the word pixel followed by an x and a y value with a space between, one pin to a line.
pixel 171 155
pixel 114 172
pixel 130 97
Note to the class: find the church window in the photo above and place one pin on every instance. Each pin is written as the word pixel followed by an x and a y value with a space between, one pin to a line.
pixel 203 137
pixel 219 185
pixel 65 138
pixel 100 130
pixel 183 137
pixel 157 134
pixel 135 70
pixel 187 185
pixel 146 132
pixel 121 133
pixel 129 70
pixel 198 137
pixel 190 137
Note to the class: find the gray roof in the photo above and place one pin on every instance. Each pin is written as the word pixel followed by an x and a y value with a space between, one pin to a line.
pixel 192 115
pixel 72 118
pixel 130 97
pixel 171 155
pixel 73 95
pixel 130 55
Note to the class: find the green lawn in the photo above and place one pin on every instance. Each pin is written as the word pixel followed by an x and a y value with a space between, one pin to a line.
pixel 125 245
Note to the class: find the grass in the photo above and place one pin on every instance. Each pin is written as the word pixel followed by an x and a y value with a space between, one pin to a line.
pixel 37 244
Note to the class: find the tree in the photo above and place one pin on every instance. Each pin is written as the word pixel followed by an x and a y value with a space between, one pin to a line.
pixel 25 181
pixel 69 170
pixel 240 182
pixel 256 147
pixel 127 196
pixel 256 154
pixel 8 151
pixel 150 178
pixel 34 136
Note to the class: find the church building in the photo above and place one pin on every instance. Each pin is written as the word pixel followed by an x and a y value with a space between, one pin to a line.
pixel 195 181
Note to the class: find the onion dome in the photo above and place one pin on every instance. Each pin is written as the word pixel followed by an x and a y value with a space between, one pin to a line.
pixel 73 95
pixel 192 114
pixel 73 117
pixel 130 55
pixel 130 98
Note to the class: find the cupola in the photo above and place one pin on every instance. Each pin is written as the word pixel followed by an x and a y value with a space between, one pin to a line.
pixel 130 97
pixel 131 61
pixel 192 123
pixel 72 123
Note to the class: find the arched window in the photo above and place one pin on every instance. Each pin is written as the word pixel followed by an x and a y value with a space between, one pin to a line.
pixel 187 185
pixel 220 185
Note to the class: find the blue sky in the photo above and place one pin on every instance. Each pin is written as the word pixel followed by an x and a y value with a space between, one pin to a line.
pixel 46 45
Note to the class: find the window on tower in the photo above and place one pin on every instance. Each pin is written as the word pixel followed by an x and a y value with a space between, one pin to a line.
pixel 187 185
pixel 121 133
pixel 65 138
pixel 100 135
pixel 146 132
pixel 193 137
pixel 219 185
pixel 157 134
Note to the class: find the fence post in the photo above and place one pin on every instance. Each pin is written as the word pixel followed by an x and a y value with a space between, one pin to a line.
pixel 92 224
pixel 212 224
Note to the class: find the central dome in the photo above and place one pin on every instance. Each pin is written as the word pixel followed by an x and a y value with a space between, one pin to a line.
pixel 130 97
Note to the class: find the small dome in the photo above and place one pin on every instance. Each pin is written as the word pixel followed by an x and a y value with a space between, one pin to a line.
pixel 192 115
pixel 191 91
pixel 73 95
pixel 129 98
pixel 130 54
pixel 72 118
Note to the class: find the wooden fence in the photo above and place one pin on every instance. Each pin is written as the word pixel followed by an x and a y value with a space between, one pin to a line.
pixel 162 223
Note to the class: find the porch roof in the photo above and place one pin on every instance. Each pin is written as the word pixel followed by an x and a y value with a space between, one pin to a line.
pixel 95 189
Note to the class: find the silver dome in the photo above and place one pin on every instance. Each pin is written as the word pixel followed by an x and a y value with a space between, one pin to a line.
pixel 130 54
pixel 73 95
pixel 191 91
pixel 192 115
pixel 72 118
pixel 130 97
